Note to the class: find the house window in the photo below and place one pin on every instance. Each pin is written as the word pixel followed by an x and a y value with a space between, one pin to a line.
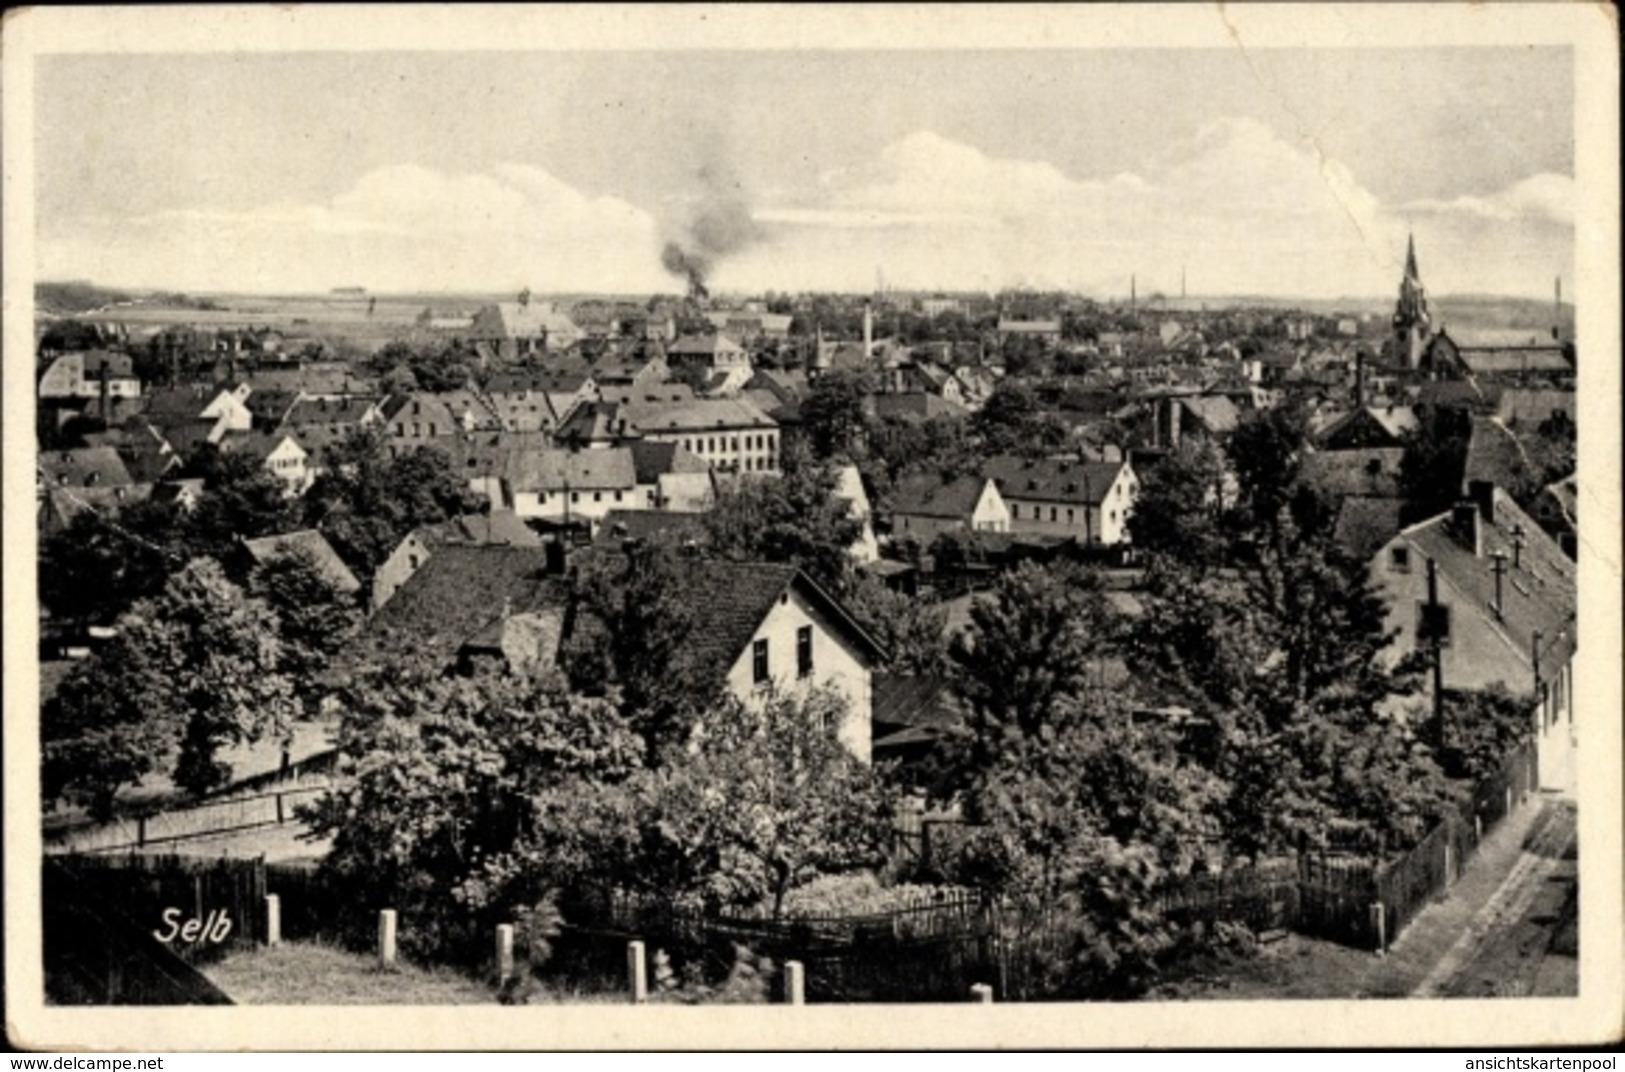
pixel 597 496
pixel 1015 512
pixel 804 658
pixel 1399 559
pixel 575 496
pixel 736 443
pixel 1071 516
pixel 617 496
pixel 758 659
pixel 1054 514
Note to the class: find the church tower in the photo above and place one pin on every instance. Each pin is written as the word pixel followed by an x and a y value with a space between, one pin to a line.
pixel 1412 324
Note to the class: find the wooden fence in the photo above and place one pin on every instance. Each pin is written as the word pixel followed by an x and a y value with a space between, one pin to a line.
pixel 203 819
pixel 95 952
pixel 165 896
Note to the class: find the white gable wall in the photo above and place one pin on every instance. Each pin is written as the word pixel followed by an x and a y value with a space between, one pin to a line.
pixel 835 663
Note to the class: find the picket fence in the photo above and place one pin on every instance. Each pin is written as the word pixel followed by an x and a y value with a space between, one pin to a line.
pixel 265 800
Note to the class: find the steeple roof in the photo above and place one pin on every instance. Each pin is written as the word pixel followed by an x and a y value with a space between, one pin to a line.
pixel 1411 271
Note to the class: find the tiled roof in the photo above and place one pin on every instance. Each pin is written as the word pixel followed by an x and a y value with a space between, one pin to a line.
pixel 62 505
pixel 460 591
pixel 1533 406
pixel 1368 471
pixel 705 346
pixel 497 527
pixel 585 470
pixel 730 599
pixel 546 381
pixel 651 460
pixel 338 411
pixel 700 415
pixel 925 495
pixel 1494 454
pixel 312 543
pixel 316 378
pixel 918 406
pixel 680 525
pixel 83 467
pixel 1365 523
pixel 511 320
pixel 1217 412
pixel 902 700
pixel 1052 480
pixel 1539 594
pixel 180 402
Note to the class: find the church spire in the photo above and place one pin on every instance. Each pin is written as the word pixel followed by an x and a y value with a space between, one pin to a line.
pixel 1411 271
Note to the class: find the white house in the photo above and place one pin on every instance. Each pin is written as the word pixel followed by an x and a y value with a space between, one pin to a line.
pixel 772 631
pixel 923 507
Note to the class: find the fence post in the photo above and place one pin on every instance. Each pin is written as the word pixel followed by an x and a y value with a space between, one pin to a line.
pixel 982 994
pixel 795 983
pixel 386 939
pixel 504 952
pixel 273 920
pixel 1379 926
pixel 637 972
pixel 279 816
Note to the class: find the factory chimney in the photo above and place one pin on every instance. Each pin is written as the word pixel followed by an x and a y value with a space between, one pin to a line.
pixel 868 330
pixel 1557 309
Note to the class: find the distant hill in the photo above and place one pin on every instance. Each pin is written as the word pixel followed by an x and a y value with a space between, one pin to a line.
pixel 78 296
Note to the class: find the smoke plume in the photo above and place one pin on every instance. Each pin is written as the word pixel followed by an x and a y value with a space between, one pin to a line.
pixel 721 225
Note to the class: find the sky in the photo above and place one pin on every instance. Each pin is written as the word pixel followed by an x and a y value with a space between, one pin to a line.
pixel 1291 173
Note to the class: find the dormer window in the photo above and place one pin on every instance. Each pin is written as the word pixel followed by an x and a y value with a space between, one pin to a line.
pixel 1399 559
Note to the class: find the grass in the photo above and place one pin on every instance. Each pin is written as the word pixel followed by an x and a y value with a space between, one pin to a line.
pixel 297 973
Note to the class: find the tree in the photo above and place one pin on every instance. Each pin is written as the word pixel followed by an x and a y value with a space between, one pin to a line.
pixel 1481 727
pixel 314 617
pixel 1283 659
pixel 1265 451
pixel 365 503
pixel 1013 421
pixel 129 555
pixel 765 800
pixel 832 414
pixel 634 633
pixel 241 501
pixel 196 666
pixel 911 631
pixel 1026 665
pixel 796 519
pixel 1430 471
pixel 101 732
pixel 1176 510
pixel 219 655
pixel 451 784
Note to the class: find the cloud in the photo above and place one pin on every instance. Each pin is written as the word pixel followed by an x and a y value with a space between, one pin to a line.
pixel 1236 207
pixel 1545 198
pixel 402 227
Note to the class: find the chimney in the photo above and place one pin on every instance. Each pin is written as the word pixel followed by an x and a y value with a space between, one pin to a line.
pixel 1482 495
pixel 1465 524
pixel 868 329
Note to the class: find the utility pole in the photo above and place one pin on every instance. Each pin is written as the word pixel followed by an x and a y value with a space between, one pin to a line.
pixel 1436 641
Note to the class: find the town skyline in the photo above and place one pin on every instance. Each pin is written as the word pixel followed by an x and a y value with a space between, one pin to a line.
pixel 296 173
